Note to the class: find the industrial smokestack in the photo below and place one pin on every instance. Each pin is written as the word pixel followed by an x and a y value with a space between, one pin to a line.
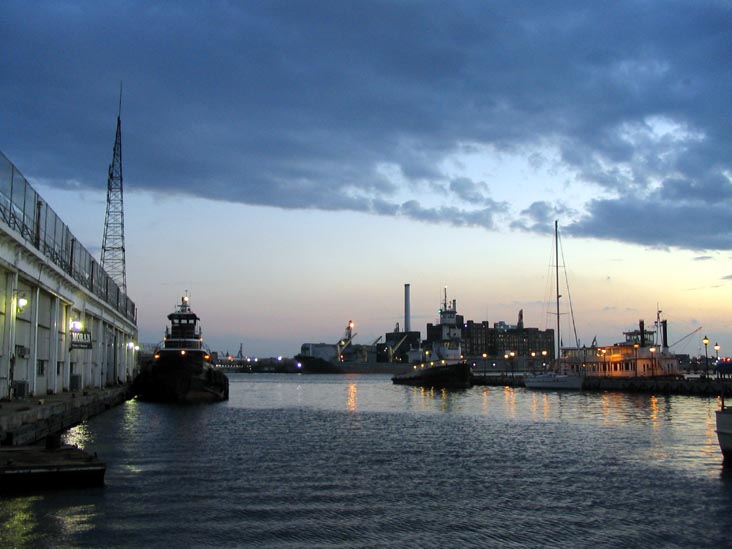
pixel 642 326
pixel 664 334
pixel 407 313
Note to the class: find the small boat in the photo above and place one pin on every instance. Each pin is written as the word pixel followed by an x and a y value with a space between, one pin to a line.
pixel 552 380
pixel 556 379
pixel 181 371
pixel 449 376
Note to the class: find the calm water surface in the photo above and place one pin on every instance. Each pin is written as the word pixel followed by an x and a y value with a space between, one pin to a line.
pixel 354 461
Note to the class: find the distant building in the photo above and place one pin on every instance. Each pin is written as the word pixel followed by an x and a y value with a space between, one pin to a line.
pixel 501 339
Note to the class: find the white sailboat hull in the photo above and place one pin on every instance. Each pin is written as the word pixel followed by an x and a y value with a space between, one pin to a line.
pixel 553 381
pixel 724 432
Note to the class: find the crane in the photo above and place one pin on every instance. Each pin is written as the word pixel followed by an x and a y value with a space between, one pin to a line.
pixel 393 350
pixel 346 341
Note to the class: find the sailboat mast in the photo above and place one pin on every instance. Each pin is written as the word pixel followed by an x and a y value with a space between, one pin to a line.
pixel 556 266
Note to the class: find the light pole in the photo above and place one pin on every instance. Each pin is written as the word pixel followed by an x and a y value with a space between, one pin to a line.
pixel 635 348
pixel 485 361
pixel 543 360
pixel 653 361
pixel 706 356
pixel 716 364
pixel 604 364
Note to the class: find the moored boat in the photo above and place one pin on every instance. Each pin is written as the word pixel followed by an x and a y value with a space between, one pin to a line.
pixel 553 380
pixel 181 371
pixel 450 376
pixel 439 363
pixel 556 379
pixel 724 431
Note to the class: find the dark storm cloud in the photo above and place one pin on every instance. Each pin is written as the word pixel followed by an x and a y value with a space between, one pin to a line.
pixel 312 104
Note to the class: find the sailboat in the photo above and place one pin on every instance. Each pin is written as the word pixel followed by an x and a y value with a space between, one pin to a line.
pixel 555 379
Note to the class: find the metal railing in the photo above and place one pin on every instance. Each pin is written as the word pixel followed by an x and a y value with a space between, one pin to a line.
pixel 25 212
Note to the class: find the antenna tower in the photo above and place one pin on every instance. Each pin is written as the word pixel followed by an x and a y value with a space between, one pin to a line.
pixel 113 245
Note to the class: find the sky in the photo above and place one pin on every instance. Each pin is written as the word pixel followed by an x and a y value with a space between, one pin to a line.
pixel 293 164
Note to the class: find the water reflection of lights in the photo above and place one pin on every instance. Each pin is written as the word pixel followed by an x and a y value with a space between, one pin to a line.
pixel 540 405
pixel 74 520
pixel 78 436
pixel 484 394
pixel 509 401
pixel 654 410
pixel 351 402
pixel 19 523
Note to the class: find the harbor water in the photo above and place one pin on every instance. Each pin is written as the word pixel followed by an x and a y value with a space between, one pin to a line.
pixel 355 461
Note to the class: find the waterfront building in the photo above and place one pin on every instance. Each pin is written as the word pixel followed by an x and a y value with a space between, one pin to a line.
pixel 644 353
pixel 65 324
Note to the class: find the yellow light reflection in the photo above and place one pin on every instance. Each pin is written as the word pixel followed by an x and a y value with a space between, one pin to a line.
pixel 351 402
pixel 509 401
pixel 654 410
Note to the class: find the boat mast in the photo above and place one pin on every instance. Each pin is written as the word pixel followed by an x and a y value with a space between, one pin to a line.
pixel 556 266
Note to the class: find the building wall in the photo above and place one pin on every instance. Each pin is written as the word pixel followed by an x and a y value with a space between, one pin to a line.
pixel 42 262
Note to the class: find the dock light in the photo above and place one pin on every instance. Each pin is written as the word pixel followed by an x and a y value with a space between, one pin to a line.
pixel 22 303
pixel 705 341
pixel 182 352
pixel 76 325
pixel 716 350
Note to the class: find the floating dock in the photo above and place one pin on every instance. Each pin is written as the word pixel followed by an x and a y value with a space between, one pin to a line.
pixel 31 468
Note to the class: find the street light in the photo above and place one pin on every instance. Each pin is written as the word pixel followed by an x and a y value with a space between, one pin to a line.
pixel 485 360
pixel 653 361
pixel 635 347
pixel 716 350
pixel 706 356
pixel 604 364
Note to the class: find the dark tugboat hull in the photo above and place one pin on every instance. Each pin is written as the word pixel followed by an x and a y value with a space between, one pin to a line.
pixel 449 376
pixel 181 379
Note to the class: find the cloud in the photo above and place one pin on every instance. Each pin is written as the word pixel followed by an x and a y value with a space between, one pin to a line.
pixel 301 105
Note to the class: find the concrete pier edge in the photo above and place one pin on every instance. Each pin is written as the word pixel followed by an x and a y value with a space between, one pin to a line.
pixel 30 420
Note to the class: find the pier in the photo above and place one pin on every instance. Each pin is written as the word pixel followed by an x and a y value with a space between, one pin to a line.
pixel 705 387
pixel 29 420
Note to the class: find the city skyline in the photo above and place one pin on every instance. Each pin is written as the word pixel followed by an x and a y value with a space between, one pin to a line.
pixel 294 165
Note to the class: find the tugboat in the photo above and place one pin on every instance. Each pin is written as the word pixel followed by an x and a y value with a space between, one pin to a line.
pixel 180 371
pixel 440 362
